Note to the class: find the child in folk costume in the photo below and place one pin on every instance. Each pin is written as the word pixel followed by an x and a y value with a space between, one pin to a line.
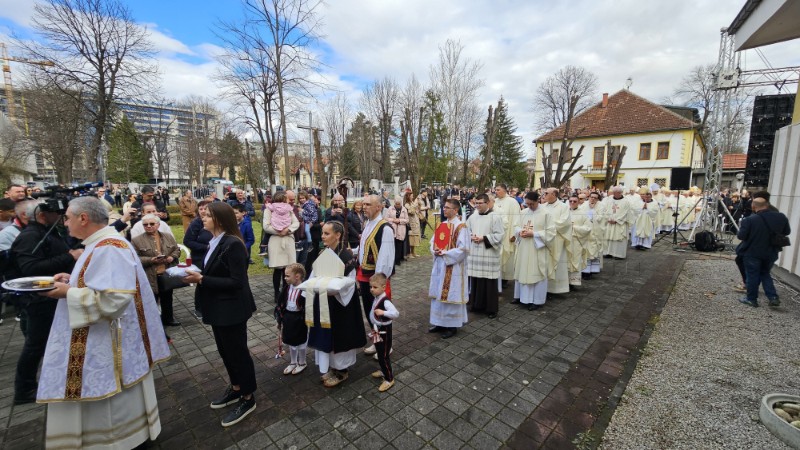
pixel 290 314
pixel 381 316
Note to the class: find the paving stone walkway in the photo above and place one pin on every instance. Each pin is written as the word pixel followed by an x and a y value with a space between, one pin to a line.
pixel 547 378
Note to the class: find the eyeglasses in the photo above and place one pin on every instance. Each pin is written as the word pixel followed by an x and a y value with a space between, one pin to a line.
pixel 149 224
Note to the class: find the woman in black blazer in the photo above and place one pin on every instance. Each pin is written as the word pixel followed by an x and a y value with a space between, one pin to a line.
pixel 224 296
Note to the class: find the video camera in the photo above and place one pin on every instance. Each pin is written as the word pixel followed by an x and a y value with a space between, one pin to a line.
pixel 56 198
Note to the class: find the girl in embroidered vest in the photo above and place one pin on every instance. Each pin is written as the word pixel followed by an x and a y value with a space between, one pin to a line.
pixel 290 314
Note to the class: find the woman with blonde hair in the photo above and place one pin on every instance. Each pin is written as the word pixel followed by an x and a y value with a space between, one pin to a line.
pixel 410 204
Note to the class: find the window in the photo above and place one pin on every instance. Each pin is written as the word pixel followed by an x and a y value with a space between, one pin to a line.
pixel 663 150
pixel 554 157
pixel 597 161
pixel 568 156
pixel 660 181
pixel 642 182
pixel 644 151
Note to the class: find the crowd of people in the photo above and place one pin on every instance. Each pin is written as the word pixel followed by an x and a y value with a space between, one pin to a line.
pixel 332 278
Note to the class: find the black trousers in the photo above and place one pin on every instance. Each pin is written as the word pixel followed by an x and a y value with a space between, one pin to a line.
pixel 366 299
pixel 384 348
pixel 39 317
pixel 740 265
pixel 278 282
pixel 232 346
pixel 164 298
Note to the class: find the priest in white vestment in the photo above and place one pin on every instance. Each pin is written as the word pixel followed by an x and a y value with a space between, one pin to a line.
pixel 617 216
pixel 593 211
pixel 559 212
pixel 643 230
pixel 483 260
pixel 578 246
pixel 533 266
pixel 508 209
pixel 449 287
pixel 105 339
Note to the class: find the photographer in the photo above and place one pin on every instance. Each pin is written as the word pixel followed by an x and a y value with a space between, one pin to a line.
pixel 148 196
pixel 38 253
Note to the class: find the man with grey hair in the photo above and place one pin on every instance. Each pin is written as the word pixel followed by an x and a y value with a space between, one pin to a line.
pixel 558 282
pixel 87 371
pixel 37 252
pixel 21 211
pixel 617 215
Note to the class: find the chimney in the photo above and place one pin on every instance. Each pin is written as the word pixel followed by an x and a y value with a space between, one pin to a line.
pixel 605 100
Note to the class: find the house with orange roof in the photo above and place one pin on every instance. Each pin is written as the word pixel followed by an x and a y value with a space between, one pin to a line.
pixel 657 138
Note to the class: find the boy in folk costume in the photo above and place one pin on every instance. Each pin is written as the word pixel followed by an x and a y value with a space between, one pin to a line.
pixel 290 314
pixel 381 316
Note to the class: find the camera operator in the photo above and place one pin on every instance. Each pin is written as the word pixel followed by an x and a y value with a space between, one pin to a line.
pixel 38 253
pixel 148 196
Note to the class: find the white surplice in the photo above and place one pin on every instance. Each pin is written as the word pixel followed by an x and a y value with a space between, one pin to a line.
pixel 508 209
pixel 450 312
pixel 534 261
pixel 559 279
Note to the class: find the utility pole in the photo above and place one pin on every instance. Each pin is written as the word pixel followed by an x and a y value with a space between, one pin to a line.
pixel 311 129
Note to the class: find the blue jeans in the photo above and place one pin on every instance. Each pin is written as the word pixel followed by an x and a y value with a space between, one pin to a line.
pixel 757 272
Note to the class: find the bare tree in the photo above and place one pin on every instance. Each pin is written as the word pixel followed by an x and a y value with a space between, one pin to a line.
pixel 157 137
pixel 380 100
pixel 57 126
pixel 246 74
pixel 615 154
pixel 557 101
pixel 697 91
pixel 468 138
pixel 288 27
pixel 488 147
pixel 553 100
pixel 337 115
pixel 455 79
pixel 198 152
pixel 98 51
pixel 15 153
pixel 412 121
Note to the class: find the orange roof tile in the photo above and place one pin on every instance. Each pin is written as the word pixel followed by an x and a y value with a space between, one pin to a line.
pixel 626 113
pixel 734 161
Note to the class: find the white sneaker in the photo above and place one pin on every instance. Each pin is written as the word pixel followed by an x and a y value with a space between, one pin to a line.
pixel 289 369
pixel 370 350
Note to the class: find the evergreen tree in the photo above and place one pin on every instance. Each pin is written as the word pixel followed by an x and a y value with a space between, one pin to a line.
pixel 507 165
pixel 127 159
pixel 230 154
pixel 353 141
pixel 435 137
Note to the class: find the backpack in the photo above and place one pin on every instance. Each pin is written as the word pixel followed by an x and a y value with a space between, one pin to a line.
pixel 705 241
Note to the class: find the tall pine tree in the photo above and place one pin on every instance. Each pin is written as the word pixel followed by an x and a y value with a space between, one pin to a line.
pixel 507 160
pixel 127 160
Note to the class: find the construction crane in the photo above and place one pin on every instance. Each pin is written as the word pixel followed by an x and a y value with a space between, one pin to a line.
pixel 10 103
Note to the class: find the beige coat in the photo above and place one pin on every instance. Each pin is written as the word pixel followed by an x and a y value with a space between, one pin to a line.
pixel 399 225
pixel 413 219
pixel 281 248
pixel 145 246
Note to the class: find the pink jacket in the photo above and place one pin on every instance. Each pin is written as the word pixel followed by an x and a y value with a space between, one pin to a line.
pixel 281 215
pixel 400 225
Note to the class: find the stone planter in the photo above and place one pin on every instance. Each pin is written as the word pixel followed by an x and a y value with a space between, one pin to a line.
pixel 779 427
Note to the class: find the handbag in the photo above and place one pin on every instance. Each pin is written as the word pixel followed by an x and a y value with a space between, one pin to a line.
pixel 778 240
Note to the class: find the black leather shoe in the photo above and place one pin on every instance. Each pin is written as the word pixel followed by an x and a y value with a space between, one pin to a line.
pixel 449 333
pixel 436 329
pixel 533 307
pixel 174 323
pixel 492 316
pixel 515 301
pixel 243 408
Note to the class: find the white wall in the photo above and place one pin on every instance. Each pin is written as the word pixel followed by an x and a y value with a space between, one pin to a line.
pixel 634 168
pixel 785 190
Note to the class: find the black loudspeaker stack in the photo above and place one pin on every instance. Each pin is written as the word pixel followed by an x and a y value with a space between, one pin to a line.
pixel 770 113
pixel 680 178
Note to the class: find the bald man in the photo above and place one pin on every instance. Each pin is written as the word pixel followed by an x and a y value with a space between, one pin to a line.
pixel 617 216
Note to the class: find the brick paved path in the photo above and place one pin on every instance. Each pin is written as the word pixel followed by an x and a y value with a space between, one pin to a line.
pixel 523 380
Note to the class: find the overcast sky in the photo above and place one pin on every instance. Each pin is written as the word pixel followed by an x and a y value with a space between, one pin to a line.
pixel 519 43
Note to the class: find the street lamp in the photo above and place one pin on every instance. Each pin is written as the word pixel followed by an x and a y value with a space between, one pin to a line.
pixel 396 182
pixel 494 181
pixel 531 166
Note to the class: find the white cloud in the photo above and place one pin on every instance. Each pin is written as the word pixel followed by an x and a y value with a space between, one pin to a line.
pixel 165 44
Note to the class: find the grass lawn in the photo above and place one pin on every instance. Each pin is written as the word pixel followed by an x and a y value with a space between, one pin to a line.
pixel 259 269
